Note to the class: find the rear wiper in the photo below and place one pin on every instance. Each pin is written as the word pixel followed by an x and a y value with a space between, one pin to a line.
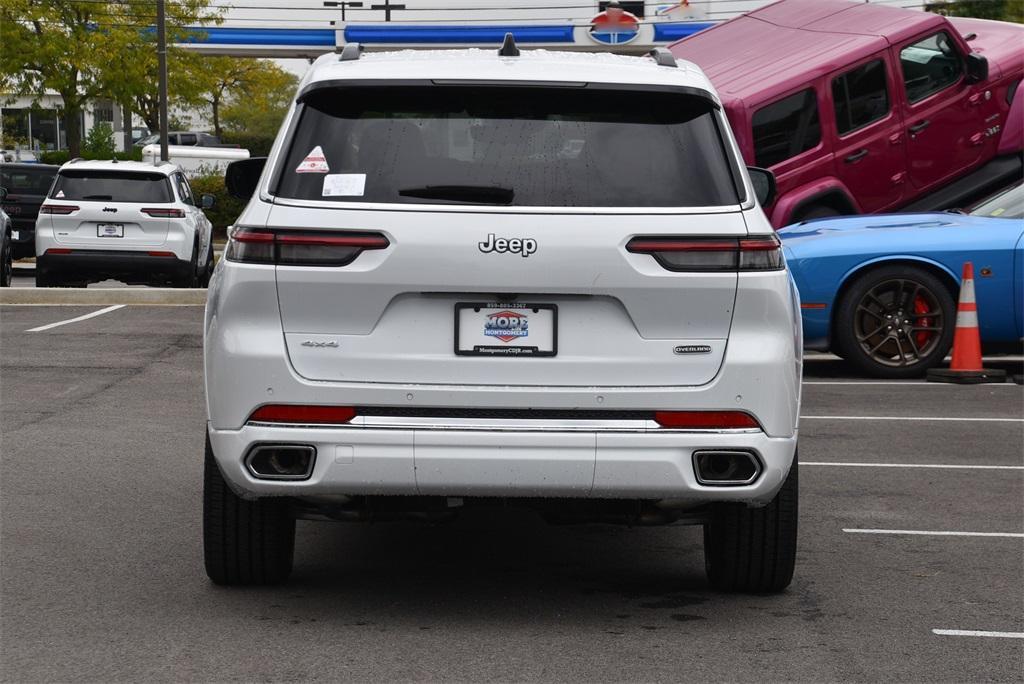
pixel 486 194
pixel 98 197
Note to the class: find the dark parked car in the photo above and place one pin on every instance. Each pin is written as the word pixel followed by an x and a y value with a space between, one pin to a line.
pixel 27 186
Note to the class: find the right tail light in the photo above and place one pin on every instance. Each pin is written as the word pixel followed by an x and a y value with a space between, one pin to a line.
pixel 760 253
pixel 300 247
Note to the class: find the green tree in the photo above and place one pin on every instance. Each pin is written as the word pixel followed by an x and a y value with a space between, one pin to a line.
pixel 99 143
pixel 77 48
pixel 227 77
pixel 258 104
pixel 1002 10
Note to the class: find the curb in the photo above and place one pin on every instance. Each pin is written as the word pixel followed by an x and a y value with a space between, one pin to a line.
pixel 60 296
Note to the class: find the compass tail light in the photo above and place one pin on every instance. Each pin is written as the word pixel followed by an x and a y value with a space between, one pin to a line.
pixel 163 212
pixel 58 209
pixel 299 247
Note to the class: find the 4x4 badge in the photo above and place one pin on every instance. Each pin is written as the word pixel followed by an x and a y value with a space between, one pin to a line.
pixel 524 247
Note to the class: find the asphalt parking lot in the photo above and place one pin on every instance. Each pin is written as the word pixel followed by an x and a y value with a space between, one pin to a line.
pixel 102 580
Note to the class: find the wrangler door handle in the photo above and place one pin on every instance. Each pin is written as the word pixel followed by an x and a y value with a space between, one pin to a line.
pixel 918 127
pixel 856 156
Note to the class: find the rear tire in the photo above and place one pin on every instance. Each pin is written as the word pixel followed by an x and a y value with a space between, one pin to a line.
pixel 753 550
pixel 204 277
pixel 817 211
pixel 918 359
pixel 244 542
pixel 6 264
pixel 191 278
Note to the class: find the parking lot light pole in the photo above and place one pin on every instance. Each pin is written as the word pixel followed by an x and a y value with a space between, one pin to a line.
pixel 161 55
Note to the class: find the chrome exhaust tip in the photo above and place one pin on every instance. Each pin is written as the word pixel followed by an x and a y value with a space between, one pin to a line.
pixel 726 467
pixel 281 461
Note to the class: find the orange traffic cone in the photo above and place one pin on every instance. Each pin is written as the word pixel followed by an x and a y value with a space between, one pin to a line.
pixel 965 368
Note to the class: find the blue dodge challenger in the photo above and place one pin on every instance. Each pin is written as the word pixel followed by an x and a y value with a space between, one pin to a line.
pixel 881 291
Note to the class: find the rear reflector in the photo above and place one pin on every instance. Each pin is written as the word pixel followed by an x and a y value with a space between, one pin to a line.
pixel 58 209
pixel 161 254
pixel 762 253
pixel 706 420
pixel 58 250
pixel 300 248
pixel 163 212
pixel 296 413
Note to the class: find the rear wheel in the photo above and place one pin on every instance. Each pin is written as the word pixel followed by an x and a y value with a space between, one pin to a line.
pixel 6 264
pixel 244 542
pixel 190 279
pixel 207 270
pixel 895 322
pixel 817 211
pixel 753 550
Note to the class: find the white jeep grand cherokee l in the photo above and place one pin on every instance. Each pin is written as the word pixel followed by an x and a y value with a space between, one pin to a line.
pixel 539 279
pixel 126 221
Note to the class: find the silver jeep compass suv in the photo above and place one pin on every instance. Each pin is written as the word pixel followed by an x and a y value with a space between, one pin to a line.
pixel 541 279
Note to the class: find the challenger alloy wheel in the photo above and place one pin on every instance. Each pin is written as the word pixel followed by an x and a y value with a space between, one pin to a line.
pixel 895 321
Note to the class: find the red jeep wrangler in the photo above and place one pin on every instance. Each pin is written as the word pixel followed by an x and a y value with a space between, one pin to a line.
pixel 862 108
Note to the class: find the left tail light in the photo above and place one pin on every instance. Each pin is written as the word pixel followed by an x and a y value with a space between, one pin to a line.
pixel 299 247
pixel 58 209
pixel 760 253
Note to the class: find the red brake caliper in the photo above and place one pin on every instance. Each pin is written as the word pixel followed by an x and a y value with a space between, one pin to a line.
pixel 922 336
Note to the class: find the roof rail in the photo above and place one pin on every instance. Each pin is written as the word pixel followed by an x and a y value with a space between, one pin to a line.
pixel 508 46
pixel 351 52
pixel 662 57
pixel 76 159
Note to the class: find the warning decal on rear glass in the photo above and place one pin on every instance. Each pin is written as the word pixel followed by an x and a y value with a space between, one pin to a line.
pixel 315 162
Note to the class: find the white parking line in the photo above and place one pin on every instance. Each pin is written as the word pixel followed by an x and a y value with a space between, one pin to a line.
pixel 937 533
pixel 94 314
pixel 978 633
pixel 911 465
pixel 918 418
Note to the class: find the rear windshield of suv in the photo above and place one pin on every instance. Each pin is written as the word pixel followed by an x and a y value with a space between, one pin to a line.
pixel 112 186
pixel 26 181
pixel 519 146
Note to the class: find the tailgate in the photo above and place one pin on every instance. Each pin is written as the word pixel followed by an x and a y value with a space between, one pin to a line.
pixel 622 319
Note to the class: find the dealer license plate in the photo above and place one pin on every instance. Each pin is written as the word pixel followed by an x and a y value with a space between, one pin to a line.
pixel 110 230
pixel 495 329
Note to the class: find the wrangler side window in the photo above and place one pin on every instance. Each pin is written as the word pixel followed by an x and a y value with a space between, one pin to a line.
pixel 930 65
pixel 786 128
pixel 860 96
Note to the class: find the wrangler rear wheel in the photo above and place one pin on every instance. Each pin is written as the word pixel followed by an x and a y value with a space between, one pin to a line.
pixel 753 550
pixel 244 542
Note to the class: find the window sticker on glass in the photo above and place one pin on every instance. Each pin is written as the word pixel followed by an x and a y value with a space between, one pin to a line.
pixel 344 184
pixel 315 162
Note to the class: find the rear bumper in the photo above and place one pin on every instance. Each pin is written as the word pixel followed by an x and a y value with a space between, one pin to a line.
pixel 103 264
pixel 497 461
